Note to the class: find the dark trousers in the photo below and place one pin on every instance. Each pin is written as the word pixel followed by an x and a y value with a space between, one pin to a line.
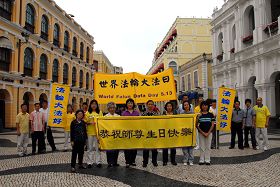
pixel 130 156
pixel 78 149
pixel 236 128
pixel 38 136
pixel 165 155
pixel 112 157
pixel 50 138
pixel 252 131
pixel 146 156
pixel 214 138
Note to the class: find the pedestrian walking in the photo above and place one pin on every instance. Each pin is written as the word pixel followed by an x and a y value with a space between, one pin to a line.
pixel 112 155
pixel 205 125
pixel 78 140
pixel 37 121
pixel 169 110
pixel 187 151
pixel 150 112
pixel 237 126
pixel 262 121
pixel 22 123
pixel 130 155
pixel 93 145
pixel 249 121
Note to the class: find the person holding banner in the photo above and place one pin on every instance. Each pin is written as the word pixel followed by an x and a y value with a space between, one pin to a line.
pixel 169 110
pixel 78 130
pixel 187 151
pixel 237 126
pixel 112 155
pixel 130 155
pixel 48 129
pixel 93 112
pixel 205 125
pixel 69 118
pixel 150 112
pixel 37 123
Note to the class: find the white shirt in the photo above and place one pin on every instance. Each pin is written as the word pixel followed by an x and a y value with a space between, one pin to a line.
pixel 181 110
pixel 45 113
pixel 110 115
pixel 213 110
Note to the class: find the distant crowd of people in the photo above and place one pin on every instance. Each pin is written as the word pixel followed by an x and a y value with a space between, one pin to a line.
pixel 80 130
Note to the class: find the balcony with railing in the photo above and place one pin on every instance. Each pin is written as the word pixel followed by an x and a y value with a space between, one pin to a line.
pixel 272 28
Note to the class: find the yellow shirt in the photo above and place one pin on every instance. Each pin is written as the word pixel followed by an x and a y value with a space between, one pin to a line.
pixel 89 118
pixel 261 114
pixel 69 118
pixel 197 109
pixel 23 121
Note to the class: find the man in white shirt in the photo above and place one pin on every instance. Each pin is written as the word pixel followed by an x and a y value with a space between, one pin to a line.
pixel 48 129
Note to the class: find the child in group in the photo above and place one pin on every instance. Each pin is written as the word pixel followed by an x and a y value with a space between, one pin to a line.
pixel 78 130
pixel 69 118
pixel 187 151
pixel 112 155
pixel 93 112
pixel 205 125
pixel 169 110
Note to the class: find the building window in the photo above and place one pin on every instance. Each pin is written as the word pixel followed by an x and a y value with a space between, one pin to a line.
pixel 28 61
pixel 81 78
pixel 220 54
pixel 275 10
pixel 45 27
pixel 66 41
pixel 183 83
pixel 173 65
pixel 82 51
pixel 189 82
pixel 87 81
pixel 65 73
pixel 55 70
pixel 195 79
pixel 30 18
pixel 249 25
pixel 95 64
pixel 56 32
pixel 43 66
pixel 5 59
pixel 87 58
pixel 74 76
pixel 74 50
pixel 6 9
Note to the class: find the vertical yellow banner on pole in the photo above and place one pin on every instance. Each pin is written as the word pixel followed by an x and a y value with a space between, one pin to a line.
pixel 58 105
pixel 226 98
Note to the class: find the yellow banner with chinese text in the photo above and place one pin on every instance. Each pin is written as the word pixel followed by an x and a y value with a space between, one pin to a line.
pixel 58 105
pixel 146 132
pixel 141 88
pixel 226 98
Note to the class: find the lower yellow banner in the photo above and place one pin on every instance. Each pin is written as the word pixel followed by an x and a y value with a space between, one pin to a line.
pixel 146 132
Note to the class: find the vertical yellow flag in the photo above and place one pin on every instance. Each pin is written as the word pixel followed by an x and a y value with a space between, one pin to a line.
pixel 226 98
pixel 58 105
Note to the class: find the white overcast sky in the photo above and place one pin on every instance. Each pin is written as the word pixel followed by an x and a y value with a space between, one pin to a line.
pixel 128 31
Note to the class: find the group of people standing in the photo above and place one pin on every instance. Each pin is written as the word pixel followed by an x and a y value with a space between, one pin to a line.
pixel 80 129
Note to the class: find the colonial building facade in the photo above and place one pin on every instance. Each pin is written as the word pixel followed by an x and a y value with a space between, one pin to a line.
pixel 196 76
pixel 246 50
pixel 104 64
pixel 40 44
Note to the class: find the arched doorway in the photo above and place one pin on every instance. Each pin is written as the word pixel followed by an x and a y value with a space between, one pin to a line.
pixel 252 91
pixel 43 97
pixel 5 107
pixel 28 99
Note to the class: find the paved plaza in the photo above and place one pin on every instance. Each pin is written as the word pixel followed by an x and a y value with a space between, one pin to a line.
pixel 229 168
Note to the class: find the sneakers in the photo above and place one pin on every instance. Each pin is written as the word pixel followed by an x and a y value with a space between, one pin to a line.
pixel 185 163
pixel 258 147
pixel 265 148
pixel 196 148
pixel 191 163
pixel 73 170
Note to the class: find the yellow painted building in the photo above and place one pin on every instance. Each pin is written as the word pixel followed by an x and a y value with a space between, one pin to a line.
pixel 196 76
pixel 186 39
pixel 104 64
pixel 39 44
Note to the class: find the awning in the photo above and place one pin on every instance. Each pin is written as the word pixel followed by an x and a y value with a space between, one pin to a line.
pixel 6 43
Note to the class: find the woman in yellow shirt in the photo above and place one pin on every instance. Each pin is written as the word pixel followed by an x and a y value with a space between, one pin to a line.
pixel 93 112
pixel 69 118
